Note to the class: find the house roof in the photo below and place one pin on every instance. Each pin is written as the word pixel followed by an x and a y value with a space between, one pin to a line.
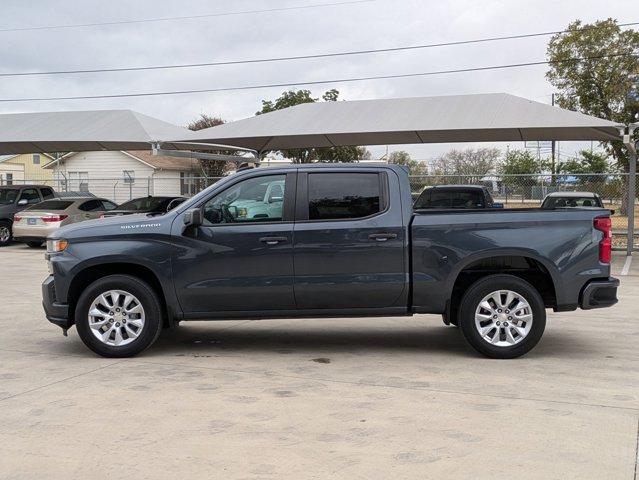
pixel 454 118
pixel 155 162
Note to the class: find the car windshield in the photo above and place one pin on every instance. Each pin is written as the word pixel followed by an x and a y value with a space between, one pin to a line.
pixel 562 202
pixel 52 205
pixel 146 204
pixel 8 195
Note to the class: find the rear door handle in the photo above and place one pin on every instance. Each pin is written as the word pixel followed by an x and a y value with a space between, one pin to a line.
pixel 273 240
pixel 382 237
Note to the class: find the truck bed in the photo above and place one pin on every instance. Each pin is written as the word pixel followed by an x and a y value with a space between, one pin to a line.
pixel 561 245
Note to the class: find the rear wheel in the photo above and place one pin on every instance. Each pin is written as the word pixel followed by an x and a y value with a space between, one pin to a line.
pixel 5 233
pixel 118 316
pixel 502 316
pixel 34 244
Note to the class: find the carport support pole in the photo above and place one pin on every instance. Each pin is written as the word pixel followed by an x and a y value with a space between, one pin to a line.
pixel 632 184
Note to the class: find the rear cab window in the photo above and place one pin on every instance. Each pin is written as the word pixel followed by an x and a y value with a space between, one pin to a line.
pixel 339 196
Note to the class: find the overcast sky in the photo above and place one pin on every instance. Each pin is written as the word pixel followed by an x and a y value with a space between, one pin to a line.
pixel 373 24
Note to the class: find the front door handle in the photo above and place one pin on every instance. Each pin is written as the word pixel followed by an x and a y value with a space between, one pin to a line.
pixel 273 240
pixel 382 237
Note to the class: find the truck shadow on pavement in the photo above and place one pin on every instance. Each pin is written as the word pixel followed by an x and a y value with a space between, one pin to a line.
pixel 198 340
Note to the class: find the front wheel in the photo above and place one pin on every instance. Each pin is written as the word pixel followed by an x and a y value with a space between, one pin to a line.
pixel 118 316
pixel 502 316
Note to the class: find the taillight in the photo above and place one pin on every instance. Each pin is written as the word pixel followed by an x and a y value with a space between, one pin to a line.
pixel 17 218
pixel 53 218
pixel 603 224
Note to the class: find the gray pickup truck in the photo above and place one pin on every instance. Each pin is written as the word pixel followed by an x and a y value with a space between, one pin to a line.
pixel 342 240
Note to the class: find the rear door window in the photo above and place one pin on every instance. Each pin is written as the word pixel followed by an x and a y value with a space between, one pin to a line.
pixel 46 193
pixel 337 196
pixel 106 205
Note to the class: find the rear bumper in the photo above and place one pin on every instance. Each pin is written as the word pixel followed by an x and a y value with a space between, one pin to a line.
pixel 599 294
pixel 56 313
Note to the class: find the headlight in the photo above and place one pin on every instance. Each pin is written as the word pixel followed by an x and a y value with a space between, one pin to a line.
pixel 55 246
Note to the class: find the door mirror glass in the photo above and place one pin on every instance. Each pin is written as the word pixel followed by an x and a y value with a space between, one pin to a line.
pixel 193 217
pixel 23 202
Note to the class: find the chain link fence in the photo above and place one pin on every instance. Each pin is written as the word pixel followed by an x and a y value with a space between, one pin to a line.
pixel 514 191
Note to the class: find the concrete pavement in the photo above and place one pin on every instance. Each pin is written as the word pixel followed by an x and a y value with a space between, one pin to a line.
pixel 335 398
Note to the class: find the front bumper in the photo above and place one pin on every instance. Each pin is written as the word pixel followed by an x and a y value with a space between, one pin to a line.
pixel 56 313
pixel 599 294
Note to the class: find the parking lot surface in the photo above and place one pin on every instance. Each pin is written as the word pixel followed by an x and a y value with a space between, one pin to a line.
pixel 316 398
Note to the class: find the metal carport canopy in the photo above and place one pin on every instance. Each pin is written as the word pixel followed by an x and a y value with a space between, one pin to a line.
pixel 85 131
pixel 444 119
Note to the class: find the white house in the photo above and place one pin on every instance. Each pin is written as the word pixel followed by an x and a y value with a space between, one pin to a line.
pixel 120 175
pixel 10 173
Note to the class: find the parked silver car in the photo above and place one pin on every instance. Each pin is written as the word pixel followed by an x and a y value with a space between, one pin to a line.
pixel 33 224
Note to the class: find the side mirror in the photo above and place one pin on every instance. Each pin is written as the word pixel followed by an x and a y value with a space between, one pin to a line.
pixel 498 205
pixel 193 217
pixel 23 202
pixel 174 203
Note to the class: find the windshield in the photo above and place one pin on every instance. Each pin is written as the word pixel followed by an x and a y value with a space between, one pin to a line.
pixel 146 204
pixel 563 202
pixel 8 196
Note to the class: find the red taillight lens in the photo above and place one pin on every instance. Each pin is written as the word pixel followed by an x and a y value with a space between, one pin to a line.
pixel 53 218
pixel 603 224
pixel 17 218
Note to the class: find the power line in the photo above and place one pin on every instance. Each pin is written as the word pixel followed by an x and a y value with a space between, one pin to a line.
pixel 307 83
pixel 185 17
pixel 290 58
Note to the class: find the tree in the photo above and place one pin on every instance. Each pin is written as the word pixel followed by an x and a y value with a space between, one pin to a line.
pixel 474 162
pixel 210 168
pixel 400 157
pixel 521 168
pixel 602 85
pixel 308 155
pixel 595 163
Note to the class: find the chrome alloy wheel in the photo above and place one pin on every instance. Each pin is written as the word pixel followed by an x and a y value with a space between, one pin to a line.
pixel 116 318
pixel 503 318
pixel 5 234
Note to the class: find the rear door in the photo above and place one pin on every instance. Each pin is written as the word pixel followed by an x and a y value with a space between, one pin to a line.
pixel 91 209
pixel 349 240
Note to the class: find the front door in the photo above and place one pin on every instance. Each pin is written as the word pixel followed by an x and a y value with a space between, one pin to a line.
pixel 349 241
pixel 241 258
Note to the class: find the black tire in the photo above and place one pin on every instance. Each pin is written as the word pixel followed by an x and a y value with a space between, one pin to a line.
pixel 483 287
pixel 147 297
pixel 4 241
pixel 34 244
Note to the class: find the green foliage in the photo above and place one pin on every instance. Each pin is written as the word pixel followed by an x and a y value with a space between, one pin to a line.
pixel 588 162
pixel 308 155
pixel 400 157
pixel 521 162
pixel 599 86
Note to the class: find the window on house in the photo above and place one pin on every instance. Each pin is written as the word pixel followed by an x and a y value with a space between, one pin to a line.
pixel 9 178
pixel 36 159
pixel 128 176
pixel 187 184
